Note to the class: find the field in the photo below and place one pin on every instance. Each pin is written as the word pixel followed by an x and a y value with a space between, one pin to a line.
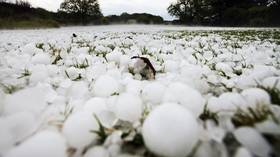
pixel 86 92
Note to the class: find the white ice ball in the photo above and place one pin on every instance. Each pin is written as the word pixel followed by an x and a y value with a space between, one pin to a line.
pixel 128 107
pixel 105 86
pixel 153 92
pixel 252 140
pixel 43 144
pixel 77 129
pixel 170 130
pixel 186 96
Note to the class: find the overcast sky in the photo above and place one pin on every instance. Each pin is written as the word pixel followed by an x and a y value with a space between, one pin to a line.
pixel 109 7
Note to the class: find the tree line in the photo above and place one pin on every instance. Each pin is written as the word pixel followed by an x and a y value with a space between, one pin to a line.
pixel 71 12
pixel 188 12
pixel 226 12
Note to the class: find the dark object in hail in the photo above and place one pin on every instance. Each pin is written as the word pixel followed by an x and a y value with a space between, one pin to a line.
pixel 74 35
pixel 146 69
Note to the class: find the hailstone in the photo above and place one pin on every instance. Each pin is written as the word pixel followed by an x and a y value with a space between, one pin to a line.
pixel 77 129
pixel 170 130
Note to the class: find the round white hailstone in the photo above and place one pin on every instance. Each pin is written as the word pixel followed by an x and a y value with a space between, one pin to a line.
pixel 77 129
pixel 78 90
pixel 255 96
pixel 171 66
pixel 30 99
pixel 97 151
pixel 186 96
pixel 105 86
pixel 128 107
pixel 41 58
pixel 272 82
pixel 153 92
pixel 170 130
pixel 43 144
pixel 252 140
pixel 242 152
pixel 72 73
pixel 224 67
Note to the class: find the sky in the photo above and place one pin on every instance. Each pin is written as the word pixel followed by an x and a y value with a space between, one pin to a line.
pixel 110 7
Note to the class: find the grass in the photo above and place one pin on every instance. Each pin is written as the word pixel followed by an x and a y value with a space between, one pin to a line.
pixel 25 73
pixel 251 116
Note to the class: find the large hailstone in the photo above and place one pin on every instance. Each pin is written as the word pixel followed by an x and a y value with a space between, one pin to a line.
pixel 170 130
pixel 128 107
pixel 153 92
pixel 186 96
pixel 77 129
pixel 105 86
pixel 252 140
pixel 43 144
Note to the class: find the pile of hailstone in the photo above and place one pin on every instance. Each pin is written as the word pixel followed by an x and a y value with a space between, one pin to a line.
pixel 213 95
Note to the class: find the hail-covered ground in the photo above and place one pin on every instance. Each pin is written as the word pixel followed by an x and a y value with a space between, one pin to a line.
pixel 77 92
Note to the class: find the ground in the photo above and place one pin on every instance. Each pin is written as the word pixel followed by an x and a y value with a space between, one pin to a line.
pixel 76 91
